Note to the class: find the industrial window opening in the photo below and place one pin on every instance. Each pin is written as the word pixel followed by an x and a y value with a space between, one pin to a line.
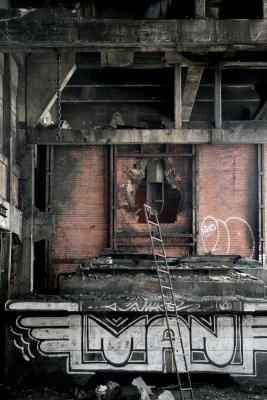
pixel 40 178
pixel 155 191
pixel 146 9
pixel 244 9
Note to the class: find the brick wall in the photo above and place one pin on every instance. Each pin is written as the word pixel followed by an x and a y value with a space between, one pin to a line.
pixel 228 203
pixel 79 204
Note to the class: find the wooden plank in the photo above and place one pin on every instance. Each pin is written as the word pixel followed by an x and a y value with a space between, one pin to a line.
pixel 192 82
pixel 177 96
pixel 218 98
pixel 119 136
pixel 34 31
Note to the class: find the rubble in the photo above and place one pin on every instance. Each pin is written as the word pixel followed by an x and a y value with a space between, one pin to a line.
pixel 123 392
pixel 145 391
pixel 166 395
pixel 111 385
pixel 202 391
pixel 100 391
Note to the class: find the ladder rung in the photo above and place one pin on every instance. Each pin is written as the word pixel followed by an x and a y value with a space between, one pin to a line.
pixel 155 238
pixel 166 287
pixel 163 270
pixel 186 389
pixel 160 255
pixel 153 223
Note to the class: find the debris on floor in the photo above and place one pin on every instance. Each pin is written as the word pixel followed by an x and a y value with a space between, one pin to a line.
pixel 166 395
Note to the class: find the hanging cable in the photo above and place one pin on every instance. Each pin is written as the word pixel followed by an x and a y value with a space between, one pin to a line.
pixel 59 108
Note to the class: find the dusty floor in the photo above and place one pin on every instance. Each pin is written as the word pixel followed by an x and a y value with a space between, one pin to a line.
pixel 205 391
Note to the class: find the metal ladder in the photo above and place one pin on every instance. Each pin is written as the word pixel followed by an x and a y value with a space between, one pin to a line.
pixel 168 299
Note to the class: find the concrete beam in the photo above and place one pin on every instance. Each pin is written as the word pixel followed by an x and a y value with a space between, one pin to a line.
pixel 236 135
pixel 37 31
pixel 119 136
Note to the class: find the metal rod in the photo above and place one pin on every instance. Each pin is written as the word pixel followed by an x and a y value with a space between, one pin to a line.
pixel 217 98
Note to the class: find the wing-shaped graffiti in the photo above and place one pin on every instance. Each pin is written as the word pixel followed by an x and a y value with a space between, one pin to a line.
pixel 51 336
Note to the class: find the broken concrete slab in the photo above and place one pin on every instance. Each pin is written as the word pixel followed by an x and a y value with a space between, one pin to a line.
pixel 145 391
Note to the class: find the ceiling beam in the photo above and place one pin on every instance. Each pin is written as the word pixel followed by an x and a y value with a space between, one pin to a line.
pixel 264 8
pixel 237 135
pixel 118 136
pixel 192 82
pixel 35 30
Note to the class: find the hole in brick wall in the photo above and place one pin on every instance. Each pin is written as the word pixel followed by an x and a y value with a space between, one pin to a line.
pixel 172 202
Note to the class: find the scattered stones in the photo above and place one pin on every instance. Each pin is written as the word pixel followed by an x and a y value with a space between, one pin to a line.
pixel 166 395
pixel 80 394
pixel 100 391
pixel 111 385
pixel 130 392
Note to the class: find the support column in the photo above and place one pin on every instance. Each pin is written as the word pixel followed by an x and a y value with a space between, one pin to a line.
pixel 218 98
pixel 177 96
pixel 27 185
pixel 200 8
pixel 261 204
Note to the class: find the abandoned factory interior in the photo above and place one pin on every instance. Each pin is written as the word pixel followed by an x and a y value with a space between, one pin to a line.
pixel 133 167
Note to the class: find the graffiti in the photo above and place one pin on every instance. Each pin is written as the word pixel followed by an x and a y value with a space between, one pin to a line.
pixel 151 306
pixel 185 305
pixel 218 236
pixel 218 343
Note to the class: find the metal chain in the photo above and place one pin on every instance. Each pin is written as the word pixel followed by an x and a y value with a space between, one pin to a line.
pixel 59 108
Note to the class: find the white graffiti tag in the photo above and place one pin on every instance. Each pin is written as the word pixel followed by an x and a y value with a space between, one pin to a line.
pixel 227 343
pixel 219 236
